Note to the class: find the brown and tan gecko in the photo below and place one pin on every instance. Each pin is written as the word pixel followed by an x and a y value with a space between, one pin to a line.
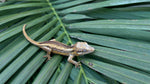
pixel 80 48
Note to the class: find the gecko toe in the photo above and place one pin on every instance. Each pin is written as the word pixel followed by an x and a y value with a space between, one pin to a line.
pixel 48 57
pixel 77 65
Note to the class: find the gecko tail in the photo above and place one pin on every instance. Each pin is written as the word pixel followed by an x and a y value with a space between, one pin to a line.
pixel 28 38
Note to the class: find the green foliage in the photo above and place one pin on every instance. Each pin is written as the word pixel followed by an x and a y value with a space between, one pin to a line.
pixel 117 29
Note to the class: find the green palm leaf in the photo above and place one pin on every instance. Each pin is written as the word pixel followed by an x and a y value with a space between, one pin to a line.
pixel 118 30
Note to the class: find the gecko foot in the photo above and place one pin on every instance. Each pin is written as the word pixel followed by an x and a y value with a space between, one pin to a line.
pixel 48 57
pixel 77 65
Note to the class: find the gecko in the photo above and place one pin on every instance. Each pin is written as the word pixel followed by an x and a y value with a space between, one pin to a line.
pixel 53 46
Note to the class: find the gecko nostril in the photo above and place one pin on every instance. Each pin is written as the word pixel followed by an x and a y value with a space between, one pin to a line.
pixel 92 49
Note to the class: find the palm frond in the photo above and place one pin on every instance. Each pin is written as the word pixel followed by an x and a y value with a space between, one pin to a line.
pixel 118 30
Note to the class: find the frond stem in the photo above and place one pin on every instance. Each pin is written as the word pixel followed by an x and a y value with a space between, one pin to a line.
pixel 84 75
pixel 53 9
pixel 57 16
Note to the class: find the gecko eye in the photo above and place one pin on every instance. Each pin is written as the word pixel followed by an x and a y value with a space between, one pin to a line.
pixel 84 50
pixel 80 50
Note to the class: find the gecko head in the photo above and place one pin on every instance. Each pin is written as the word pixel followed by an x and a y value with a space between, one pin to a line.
pixel 83 48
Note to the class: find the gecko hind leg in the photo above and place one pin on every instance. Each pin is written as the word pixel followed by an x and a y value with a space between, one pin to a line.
pixel 48 56
pixel 53 40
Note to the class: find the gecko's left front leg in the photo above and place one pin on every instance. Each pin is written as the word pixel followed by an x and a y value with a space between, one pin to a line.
pixel 70 59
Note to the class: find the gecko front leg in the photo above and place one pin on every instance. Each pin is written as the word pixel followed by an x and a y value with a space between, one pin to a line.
pixel 70 59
